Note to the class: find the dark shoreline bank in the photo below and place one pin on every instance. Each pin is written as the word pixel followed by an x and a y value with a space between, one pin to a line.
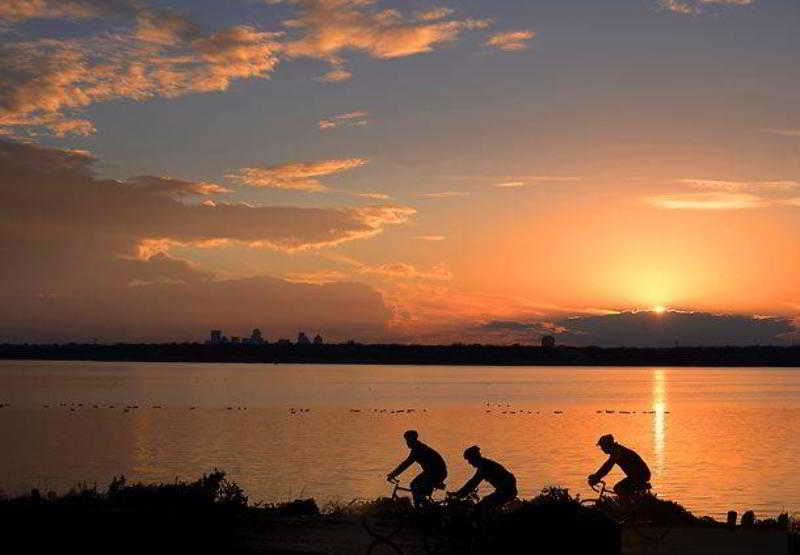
pixel 395 354
pixel 214 515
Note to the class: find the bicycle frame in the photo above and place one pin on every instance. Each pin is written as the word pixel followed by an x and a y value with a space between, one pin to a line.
pixel 624 513
pixel 397 487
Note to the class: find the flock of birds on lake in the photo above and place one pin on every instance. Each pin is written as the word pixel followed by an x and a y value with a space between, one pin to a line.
pixel 496 408
pixel 72 407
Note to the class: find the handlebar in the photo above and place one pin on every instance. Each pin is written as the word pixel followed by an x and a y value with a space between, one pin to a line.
pixel 599 486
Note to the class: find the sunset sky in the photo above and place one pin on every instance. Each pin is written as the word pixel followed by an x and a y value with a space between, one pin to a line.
pixel 471 170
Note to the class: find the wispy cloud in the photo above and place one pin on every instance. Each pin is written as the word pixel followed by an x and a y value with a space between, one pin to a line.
pixel 300 176
pixel 397 270
pixel 511 41
pixel 742 186
pixel 45 81
pixel 335 75
pixel 176 188
pixel 708 201
pixel 446 194
pixel 522 181
pixel 784 132
pixel 320 277
pixel 372 196
pixel 328 28
pixel 18 10
pixel 434 14
pixel 350 119
pixel 430 237
pixel 510 184
pixel 694 7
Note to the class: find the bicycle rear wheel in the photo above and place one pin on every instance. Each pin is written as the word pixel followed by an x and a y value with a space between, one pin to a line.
pixel 384 524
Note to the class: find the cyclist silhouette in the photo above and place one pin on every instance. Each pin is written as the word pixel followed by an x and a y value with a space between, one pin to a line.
pixel 434 469
pixel 637 474
pixel 504 483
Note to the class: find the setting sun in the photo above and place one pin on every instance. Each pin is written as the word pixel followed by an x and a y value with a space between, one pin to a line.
pixel 659 309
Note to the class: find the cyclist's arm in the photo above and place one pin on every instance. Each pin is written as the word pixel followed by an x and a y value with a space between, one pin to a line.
pixel 605 469
pixel 470 486
pixel 402 466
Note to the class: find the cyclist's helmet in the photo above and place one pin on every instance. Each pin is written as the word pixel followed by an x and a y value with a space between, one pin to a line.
pixel 606 440
pixel 411 435
pixel 472 452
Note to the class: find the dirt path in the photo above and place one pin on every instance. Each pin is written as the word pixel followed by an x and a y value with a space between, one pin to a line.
pixel 327 536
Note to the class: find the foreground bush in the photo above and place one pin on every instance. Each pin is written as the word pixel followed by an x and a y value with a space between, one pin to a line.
pixel 197 516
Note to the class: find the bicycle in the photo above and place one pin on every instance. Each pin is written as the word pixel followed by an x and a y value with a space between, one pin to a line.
pixel 393 514
pixel 449 525
pixel 628 512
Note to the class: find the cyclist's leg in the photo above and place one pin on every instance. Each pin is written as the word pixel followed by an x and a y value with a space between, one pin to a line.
pixel 495 499
pixel 625 488
pixel 422 488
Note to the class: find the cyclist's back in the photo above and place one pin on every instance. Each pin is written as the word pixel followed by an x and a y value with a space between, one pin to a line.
pixel 630 463
pixel 495 473
pixel 430 461
pixel 637 473
pixel 504 483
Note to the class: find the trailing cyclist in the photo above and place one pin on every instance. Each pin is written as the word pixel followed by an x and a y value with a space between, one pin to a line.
pixel 637 474
pixel 434 469
pixel 504 483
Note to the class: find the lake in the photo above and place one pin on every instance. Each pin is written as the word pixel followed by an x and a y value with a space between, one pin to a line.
pixel 715 438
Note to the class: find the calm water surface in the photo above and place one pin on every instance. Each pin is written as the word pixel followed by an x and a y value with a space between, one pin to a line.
pixel 718 439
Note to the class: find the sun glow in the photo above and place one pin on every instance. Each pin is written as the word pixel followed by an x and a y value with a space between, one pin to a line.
pixel 659 309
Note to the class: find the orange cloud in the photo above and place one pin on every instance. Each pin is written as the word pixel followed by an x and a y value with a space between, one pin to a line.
pixel 18 10
pixel 335 75
pixel 177 188
pixel 350 119
pixel 446 194
pixel 373 196
pixel 165 28
pixel 708 201
pixel 402 270
pixel 434 14
pixel 329 27
pixel 317 278
pixel 741 186
pixel 694 7
pixel 43 79
pixel 397 270
pixel 784 132
pixel 111 211
pixel 511 41
pixel 430 237
pixel 296 175
pixel 168 55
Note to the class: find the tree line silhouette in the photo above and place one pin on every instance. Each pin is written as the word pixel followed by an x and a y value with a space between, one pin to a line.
pixel 456 354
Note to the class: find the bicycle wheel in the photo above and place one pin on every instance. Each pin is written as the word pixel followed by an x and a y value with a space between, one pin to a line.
pixel 434 535
pixel 650 532
pixel 383 527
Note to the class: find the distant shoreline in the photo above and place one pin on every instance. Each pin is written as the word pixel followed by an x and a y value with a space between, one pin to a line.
pixel 426 355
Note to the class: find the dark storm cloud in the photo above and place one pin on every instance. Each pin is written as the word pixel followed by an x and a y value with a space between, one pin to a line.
pixel 686 328
pixel 648 329
pixel 84 256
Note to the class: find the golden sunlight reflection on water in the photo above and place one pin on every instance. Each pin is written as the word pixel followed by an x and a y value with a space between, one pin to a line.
pixel 715 438
pixel 659 420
